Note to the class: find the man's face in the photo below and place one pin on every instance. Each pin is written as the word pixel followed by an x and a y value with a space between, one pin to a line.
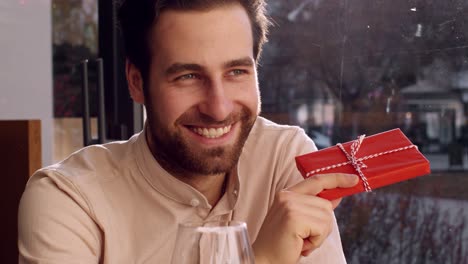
pixel 203 96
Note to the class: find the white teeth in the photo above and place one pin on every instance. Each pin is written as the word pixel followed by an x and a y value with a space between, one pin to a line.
pixel 212 132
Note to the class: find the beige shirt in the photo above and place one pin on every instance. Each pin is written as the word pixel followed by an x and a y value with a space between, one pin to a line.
pixel 114 203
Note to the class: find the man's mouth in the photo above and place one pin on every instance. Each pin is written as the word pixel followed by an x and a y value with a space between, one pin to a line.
pixel 212 132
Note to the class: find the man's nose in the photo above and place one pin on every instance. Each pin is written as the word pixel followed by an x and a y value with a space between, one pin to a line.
pixel 217 103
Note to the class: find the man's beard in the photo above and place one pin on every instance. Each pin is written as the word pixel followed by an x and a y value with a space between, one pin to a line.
pixel 175 154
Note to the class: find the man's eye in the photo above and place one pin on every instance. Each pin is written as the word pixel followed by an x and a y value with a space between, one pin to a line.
pixel 237 72
pixel 186 77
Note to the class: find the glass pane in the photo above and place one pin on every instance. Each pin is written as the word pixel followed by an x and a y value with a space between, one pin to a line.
pixel 75 38
pixel 342 68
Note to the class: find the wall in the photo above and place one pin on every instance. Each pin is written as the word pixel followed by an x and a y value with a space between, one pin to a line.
pixel 26 65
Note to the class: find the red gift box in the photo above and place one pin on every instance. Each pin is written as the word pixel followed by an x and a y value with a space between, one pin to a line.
pixel 381 159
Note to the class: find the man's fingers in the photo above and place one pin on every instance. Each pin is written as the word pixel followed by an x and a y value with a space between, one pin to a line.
pixel 307 248
pixel 320 182
pixel 299 219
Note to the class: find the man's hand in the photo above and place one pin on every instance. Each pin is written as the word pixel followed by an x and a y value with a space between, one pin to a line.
pixel 299 221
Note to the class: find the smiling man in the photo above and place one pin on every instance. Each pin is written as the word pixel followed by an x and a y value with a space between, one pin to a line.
pixel 204 154
pixel 201 92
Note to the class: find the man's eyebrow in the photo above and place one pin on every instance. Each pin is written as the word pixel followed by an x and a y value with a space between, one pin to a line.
pixel 246 62
pixel 181 67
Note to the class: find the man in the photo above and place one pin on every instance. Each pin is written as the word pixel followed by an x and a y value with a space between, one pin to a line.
pixel 204 153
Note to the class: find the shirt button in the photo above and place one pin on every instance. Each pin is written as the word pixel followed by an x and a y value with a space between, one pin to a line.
pixel 194 202
pixel 235 193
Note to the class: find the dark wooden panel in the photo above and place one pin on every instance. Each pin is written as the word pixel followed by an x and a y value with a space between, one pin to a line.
pixel 20 156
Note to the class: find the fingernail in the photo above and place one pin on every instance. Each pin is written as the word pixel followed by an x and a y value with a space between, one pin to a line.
pixel 352 177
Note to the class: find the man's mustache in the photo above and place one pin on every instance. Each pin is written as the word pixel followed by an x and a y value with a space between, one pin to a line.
pixel 203 119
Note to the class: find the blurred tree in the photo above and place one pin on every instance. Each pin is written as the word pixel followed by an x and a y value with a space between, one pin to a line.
pixel 365 51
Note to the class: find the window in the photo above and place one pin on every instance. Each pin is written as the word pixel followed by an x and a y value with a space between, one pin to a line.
pixel 81 27
pixel 75 38
pixel 343 68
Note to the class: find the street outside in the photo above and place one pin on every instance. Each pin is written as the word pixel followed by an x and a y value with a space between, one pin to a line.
pixel 440 162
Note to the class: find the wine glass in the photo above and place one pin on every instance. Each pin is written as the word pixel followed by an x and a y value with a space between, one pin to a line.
pixel 212 242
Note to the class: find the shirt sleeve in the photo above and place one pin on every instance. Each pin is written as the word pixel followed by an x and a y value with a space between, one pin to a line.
pixel 331 251
pixel 55 224
pixel 298 144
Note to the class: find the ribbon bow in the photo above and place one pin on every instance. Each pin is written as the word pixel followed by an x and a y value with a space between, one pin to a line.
pixel 358 164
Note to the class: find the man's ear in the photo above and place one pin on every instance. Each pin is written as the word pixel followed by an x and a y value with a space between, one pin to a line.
pixel 135 82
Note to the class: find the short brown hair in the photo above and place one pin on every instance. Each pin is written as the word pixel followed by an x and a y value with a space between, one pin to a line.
pixel 138 16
